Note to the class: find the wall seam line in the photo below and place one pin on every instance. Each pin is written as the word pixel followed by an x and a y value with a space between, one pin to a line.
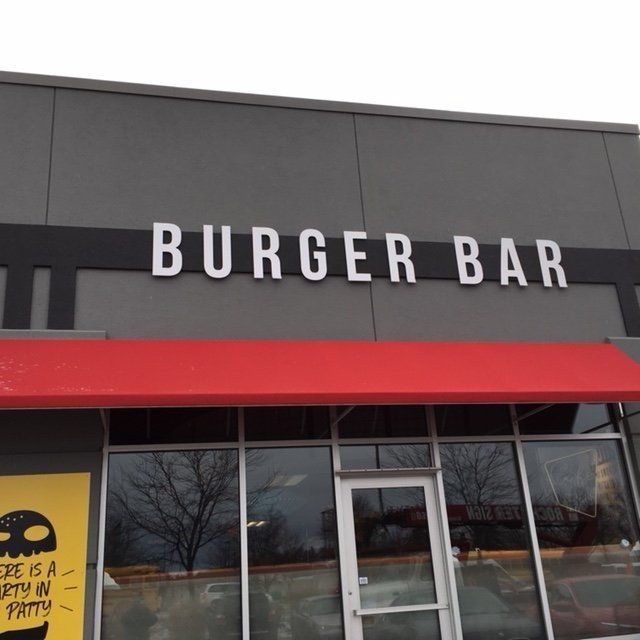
pixel 615 189
pixel 53 119
pixel 364 221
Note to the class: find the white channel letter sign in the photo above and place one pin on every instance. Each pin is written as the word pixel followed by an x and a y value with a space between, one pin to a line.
pixel 265 242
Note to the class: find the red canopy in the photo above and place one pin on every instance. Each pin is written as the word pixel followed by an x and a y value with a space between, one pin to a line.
pixel 142 373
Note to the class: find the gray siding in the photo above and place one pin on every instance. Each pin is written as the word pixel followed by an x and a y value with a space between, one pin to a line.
pixel 3 287
pixel 433 179
pixel 128 161
pixel 447 310
pixel 40 297
pixel 122 160
pixel 25 140
pixel 624 154
pixel 194 306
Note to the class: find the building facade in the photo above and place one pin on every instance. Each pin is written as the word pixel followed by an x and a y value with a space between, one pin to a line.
pixel 287 369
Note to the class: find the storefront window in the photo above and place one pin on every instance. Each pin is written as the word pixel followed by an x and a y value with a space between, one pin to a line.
pixel 172 543
pixel 392 546
pixel 294 584
pixel 411 625
pixel 473 420
pixel 492 555
pixel 401 421
pixel 385 456
pixel 544 419
pixel 286 423
pixel 167 426
pixel 172 553
pixel 588 537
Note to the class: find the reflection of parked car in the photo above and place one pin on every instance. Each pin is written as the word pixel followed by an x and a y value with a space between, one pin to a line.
pixel 483 615
pixel 216 590
pixel 595 605
pixel 317 618
pixel 225 620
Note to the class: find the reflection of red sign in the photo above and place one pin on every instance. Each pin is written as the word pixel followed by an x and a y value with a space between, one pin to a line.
pixel 415 515
pixel 510 514
pixel 402 517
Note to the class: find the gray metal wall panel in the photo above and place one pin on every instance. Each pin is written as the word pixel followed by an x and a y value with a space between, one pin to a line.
pixel 3 288
pixel 40 298
pixel 25 139
pixel 89 602
pixel 631 346
pixel 435 179
pixel 50 431
pixel 51 334
pixel 135 304
pixel 446 310
pixel 624 155
pixel 127 161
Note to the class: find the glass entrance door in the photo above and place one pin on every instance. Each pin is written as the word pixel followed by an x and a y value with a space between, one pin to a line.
pixel 395 569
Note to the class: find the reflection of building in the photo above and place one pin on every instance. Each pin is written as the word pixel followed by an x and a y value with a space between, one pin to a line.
pixel 328 527
pixel 194 313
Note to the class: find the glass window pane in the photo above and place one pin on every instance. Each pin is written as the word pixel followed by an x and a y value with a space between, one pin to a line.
pixel 473 420
pixel 293 570
pixel 382 421
pixel 492 553
pixel 172 553
pixel 167 426
pixel 392 546
pixel 411 625
pixel 588 536
pixel 384 456
pixel 564 418
pixel 286 423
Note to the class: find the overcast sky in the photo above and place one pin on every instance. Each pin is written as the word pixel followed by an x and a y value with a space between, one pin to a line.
pixel 560 58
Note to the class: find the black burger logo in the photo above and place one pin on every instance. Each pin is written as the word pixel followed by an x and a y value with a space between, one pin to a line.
pixel 25 533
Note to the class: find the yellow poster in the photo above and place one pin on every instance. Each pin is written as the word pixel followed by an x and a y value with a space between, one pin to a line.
pixel 43 555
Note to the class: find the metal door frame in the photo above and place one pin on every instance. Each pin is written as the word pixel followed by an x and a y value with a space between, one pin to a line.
pixel 441 562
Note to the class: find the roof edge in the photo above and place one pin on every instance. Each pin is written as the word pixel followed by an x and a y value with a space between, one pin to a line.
pixel 10 77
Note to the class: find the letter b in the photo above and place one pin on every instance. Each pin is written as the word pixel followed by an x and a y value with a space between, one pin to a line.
pixel 160 247
pixel 467 252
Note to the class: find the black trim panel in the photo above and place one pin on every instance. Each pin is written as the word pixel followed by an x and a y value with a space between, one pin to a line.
pixel 66 249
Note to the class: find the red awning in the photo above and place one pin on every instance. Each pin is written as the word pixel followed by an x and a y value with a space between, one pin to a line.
pixel 143 373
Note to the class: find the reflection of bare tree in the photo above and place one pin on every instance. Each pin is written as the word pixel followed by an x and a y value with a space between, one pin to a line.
pixel 121 540
pixel 478 478
pixel 478 474
pixel 185 499
pixel 275 505
pixel 407 456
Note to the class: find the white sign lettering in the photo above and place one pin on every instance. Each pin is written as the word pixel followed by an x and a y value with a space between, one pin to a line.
pixel 352 256
pixel 207 236
pixel 399 258
pixel 467 252
pixel 265 244
pixel 510 266
pixel 170 247
pixel 320 257
pixel 262 253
